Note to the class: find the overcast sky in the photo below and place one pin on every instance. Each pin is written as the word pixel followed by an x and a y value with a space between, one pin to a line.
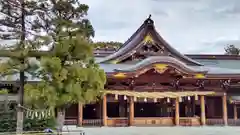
pixel 191 26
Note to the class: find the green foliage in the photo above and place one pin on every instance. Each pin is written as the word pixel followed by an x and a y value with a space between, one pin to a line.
pixel 69 75
pixel 3 91
pixel 39 124
pixel 66 80
pixel 16 26
pixel 8 121
pixel 232 50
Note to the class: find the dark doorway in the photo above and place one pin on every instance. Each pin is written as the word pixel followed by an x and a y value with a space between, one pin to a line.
pixel 143 109
pixel 91 111
pixel 113 109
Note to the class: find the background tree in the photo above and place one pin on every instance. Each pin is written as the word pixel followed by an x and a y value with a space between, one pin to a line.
pixel 232 50
pixel 107 45
pixel 17 33
pixel 59 19
pixel 69 74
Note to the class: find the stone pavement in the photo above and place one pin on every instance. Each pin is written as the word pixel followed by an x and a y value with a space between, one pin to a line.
pixel 154 130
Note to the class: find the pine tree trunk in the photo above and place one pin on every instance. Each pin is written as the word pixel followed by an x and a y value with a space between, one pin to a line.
pixel 20 114
pixel 19 121
pixel 60 120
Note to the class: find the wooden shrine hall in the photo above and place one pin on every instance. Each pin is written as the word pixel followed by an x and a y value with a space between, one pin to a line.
pixel 149 83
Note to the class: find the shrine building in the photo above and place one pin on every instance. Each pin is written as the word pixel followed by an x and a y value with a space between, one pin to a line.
pixel 149 83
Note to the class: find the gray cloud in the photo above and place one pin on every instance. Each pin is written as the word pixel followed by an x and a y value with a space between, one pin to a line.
pixel 198 26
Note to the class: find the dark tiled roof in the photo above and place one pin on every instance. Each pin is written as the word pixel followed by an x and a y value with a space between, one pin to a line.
pixel 135 42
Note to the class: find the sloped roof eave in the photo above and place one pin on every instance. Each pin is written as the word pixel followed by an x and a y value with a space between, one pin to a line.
pixel 159 59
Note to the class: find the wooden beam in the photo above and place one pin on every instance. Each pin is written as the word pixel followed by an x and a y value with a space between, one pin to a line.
pixel 203 115
pixel 225 115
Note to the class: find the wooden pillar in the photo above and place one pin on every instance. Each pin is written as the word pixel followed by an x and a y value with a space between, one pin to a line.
pixel 224 103
pixel 177 111
pixel 131 111
pixel 235 111
pixel 80 114
pixel 203 115
pixel 104 110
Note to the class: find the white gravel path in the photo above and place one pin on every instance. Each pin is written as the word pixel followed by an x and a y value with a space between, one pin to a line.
pixel 155 130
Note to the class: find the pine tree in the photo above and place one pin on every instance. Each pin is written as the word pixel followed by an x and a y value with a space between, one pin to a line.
pixel 69 74
pixel 232 50
pixel 19 38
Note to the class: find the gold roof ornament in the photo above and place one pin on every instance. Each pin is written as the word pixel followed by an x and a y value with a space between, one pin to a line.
pixel 148 39
pixel 199 76
pixel 160 67
pixel 120 75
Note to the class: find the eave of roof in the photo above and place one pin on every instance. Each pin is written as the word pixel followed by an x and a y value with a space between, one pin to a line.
pixel 163 60
pixel 211 72
pixel 214 56
pixel 104 53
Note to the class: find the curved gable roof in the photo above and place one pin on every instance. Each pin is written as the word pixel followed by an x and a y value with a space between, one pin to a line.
pixel 136 41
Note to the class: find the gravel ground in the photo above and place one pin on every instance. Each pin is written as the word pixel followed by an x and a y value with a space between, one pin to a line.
pixel 155 130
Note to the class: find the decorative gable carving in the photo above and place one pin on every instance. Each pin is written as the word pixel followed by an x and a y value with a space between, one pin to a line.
pixel 148 40
pixel 148 47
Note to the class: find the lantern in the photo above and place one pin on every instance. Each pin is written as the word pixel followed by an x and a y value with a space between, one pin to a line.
pixel 180 99
pixel 116 97
pixel 134 99
pixel 145 99
pixel 125 97
pixel 196 97
pixel 168 100
pixel 155 100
